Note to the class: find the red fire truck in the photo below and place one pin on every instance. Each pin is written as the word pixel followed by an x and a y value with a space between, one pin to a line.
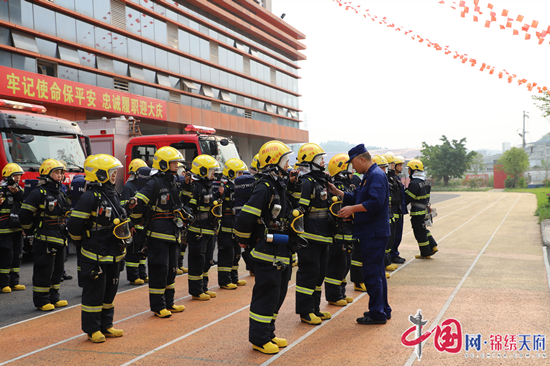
pixel 114 137
pixel 29 137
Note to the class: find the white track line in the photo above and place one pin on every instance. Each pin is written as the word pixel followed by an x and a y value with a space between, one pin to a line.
pixel 299 340
pixel 440 240
pixel 60 310
pixel 189 334
pixel 449 214
pixel 83 334
pixel 436 321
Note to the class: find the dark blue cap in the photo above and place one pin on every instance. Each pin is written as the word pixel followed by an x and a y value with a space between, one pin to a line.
pixel 355 151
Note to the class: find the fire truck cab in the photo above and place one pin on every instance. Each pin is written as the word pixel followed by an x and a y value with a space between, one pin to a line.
pixel 28 137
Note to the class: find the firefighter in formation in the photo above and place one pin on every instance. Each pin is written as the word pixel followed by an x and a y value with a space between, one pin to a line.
pixel 99 225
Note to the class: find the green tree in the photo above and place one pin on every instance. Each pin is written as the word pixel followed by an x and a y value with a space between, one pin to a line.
pixel 544 103
pixel 446 161
pixel 476 163
pixel 514 163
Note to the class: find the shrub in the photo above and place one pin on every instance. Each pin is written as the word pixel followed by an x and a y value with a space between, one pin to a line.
pixel 546 182
pixel 491 182
pixel 522 183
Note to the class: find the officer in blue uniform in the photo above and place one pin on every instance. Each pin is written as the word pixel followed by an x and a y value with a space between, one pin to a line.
pixel 370 205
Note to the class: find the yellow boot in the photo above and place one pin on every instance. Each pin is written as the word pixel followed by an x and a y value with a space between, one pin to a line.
pixel 137 282
pixel 176 308
pixel 311 319
pixel 391 267
pixel 61 303
pixel 323 315
pixel 268 348
pixel 434 250
pixel 360 288
pixel 97 337
pixel 113 333
pixel 163 313
pixel 201 297
pixel 388 275
pixel 179 271
pixel 418 256
pixel 47 307
pixel 18 287
pixel 348 299
pixel 6 290
pixel 280 342
pixel 341 302
pixel 229 286
pixel 241 283
pixel 212 294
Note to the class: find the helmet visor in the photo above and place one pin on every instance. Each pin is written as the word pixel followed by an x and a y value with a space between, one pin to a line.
pixel 122 230
pixel 297 224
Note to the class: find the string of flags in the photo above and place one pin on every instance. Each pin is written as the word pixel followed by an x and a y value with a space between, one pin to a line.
pixel 463 57
pixel 503 18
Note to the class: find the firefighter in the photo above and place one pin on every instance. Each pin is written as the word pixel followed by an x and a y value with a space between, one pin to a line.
pixel 244 185
pixel 229 251
pixel 396 205
pixel 11 240
pixel 43 213
pixel 164 224
pixel 319 231
pixel 418 195
pixel 339 258
pixel 395 258
pixel 186 192
pixel 267 211
pixel 206 205
pixel 135 269
pixel 75 191
pixel 99 225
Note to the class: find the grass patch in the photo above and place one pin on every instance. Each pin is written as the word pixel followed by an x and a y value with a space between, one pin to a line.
pixel 543 206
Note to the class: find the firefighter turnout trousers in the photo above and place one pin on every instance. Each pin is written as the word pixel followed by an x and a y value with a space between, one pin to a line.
pixel 270 288
pixel 162 257
pixel 47 271
pixel 356 269
pixel 135 262
pixel 338 265
pixel 10 258
pixel 198 247
pixel 229 254
pixel 312 266
pixel 426 242
pixel 98 294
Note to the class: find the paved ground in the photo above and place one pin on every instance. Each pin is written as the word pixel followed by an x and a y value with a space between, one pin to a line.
pixel 488 283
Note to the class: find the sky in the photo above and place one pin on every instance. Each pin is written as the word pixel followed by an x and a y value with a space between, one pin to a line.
pixel 363 82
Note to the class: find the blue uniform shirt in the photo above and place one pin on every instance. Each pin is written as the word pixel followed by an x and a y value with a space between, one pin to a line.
pixel 374 194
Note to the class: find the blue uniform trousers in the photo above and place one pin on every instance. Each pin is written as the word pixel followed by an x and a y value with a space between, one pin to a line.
pixel 374 275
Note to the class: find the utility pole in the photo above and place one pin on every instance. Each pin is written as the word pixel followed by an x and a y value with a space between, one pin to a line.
pixel 525 114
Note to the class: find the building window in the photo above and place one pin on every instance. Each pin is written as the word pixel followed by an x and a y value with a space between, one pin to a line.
pixel 207 91
pixel 46 68
pixel 225 96
pixel 24 41
pixel 188 86
pixel 137 73
pixel 247 114
pixel 121 84
pixel 163 80
pixel 69 54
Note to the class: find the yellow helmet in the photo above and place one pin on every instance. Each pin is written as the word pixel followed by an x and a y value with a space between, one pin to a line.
pixel 49 165
pixel 135 165
pixel 232 166
pixel 203 165
pixel 11 169
pixel 399 160
pixel 163 157
pixel 272 153
pixel 308 152
pixel 99 167
pixel 338 164
pixel 255 160
pixel 380 160
pixel 389 157
pixel 415 164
